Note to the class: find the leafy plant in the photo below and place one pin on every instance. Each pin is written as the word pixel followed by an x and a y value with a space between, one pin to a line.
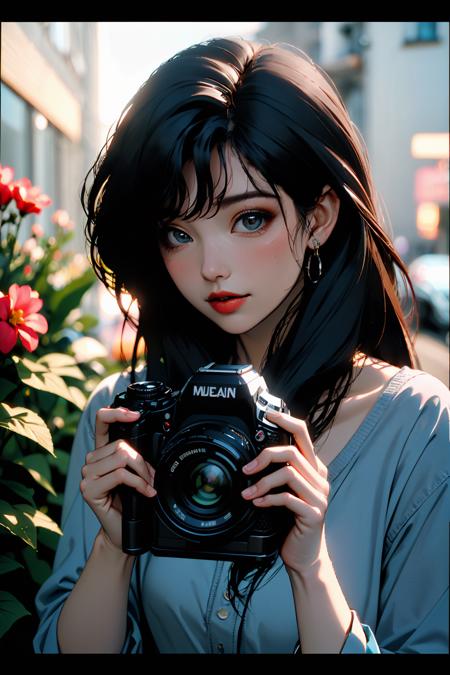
pixel 46 375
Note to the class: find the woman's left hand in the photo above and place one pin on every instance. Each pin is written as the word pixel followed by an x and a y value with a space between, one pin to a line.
pixel 306 476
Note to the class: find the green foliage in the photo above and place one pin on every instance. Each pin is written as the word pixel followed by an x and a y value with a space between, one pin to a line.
pixel 43 391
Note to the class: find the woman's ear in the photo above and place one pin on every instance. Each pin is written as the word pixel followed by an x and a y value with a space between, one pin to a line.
pixel 324 216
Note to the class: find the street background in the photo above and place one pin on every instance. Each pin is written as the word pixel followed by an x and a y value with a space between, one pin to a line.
pixel 64 85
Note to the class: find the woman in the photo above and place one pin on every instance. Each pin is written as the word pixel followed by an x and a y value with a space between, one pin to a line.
pixel 236 168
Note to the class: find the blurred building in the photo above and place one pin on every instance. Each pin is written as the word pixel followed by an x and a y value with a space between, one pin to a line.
pixel 393 77
pixel 49 121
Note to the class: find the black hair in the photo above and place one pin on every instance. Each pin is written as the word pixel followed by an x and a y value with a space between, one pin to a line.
pixel 281 115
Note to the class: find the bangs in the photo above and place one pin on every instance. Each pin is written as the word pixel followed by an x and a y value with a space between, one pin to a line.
pixel 197 155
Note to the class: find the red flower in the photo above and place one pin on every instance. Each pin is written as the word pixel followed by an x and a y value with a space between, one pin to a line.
pixel 6 176
pixel 19 318
pixel 28 197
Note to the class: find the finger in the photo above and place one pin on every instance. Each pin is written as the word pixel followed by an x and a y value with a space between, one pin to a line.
pixel 287 454
pixel 151 471
pixel 300 433
pixel 98 489
pixel 101 453
pixel 105 417
pixel 110 449
pixel 123 456
pixel 289 476
pixel 308 513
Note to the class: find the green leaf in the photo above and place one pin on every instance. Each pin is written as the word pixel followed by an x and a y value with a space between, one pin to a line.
pixel 6 387
pixel 11 610
pixel 39 569
pixel 49 539
pixel 63 301
pixel 62 364
pixel 12 449
pixel 38 467
pixel 37 375
pixel 18 523
pixel 8 564
pixel 38 518
pixel 19 489
pixel 26 423
pixel 61 463
pixel 57 500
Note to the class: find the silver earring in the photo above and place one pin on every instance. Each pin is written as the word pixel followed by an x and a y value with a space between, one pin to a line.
pixel 318 260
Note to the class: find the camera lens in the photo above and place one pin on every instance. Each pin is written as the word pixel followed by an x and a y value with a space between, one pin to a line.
pixel 208 484
pixel 199 480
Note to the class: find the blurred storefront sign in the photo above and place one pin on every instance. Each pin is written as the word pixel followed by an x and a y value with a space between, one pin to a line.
pixel 431 183
pixel 430 146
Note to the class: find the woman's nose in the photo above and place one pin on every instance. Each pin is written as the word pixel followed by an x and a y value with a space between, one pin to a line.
pixel 214 263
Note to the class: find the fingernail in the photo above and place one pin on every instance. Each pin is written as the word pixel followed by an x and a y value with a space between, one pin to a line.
pixel 249 491
pixel 132 412
pixel 250 465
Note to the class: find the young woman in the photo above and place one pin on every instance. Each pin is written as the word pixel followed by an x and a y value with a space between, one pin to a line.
pixel 235 168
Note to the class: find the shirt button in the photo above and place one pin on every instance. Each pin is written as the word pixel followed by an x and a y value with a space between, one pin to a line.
pixel 222 613
pixel 226 596
pixel 220 648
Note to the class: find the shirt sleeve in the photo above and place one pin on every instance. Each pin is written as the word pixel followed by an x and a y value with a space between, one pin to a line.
pixel 353 643
pixel 413 605
pixel 80 527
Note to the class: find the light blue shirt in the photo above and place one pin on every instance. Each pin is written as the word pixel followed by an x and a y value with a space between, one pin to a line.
pixel 386 529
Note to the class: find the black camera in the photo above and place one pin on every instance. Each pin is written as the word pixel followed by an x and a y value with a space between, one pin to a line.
pixel 198 439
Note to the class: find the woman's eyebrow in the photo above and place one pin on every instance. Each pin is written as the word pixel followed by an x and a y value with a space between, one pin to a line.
pixel 245 195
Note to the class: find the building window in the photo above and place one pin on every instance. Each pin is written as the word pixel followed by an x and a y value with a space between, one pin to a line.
pixel 30 147
pixel 15 133
pixel 45 167
pixel 352 33
pixel 59 34
pixel 420 32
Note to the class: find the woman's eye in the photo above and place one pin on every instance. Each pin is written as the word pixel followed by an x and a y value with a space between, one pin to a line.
pixel 175 233
pixel 172 241
pixel 253 220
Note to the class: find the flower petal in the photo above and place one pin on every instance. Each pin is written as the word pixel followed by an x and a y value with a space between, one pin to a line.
pixel 5 305
pixel 8 337
pixel 28 337
pixel 32 305
pixel 23 297
pixel 36 322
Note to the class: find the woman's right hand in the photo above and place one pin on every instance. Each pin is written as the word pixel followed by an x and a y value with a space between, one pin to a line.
pixel 106 468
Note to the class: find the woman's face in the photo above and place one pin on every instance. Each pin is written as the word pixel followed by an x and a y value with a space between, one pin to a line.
pixel 243 248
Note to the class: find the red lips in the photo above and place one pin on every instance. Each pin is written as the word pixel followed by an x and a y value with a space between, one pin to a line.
pixel 223 294
pixel 225 302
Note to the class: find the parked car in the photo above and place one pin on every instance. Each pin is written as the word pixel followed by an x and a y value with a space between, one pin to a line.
pixel 429 276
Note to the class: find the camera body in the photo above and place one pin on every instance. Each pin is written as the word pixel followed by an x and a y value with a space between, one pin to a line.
pixel 198 439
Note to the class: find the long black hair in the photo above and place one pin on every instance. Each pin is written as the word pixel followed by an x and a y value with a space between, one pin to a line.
pixel 281 115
